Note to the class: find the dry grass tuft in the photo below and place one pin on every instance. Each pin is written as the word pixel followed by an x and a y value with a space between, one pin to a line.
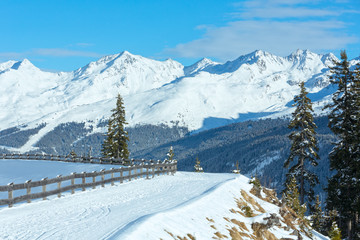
pixel 256 192
pixel 218 235
pixel 261 232
pixel 241 225
pixel 235 234
pixel 191 236
pixel 252 201
pixel 271 196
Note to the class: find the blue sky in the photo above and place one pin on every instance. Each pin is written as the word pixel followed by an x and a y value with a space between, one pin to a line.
pixel 67 34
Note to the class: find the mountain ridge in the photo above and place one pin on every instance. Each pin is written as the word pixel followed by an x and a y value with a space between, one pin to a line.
pixel 199 97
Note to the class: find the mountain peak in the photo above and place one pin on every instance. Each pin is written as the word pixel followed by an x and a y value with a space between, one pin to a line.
pixel 199 66
pixel 24 64
pixel 6 65
pixel 301 52
pixel 126 53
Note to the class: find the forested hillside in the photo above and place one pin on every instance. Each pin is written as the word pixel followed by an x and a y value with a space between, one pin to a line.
pixel 260 147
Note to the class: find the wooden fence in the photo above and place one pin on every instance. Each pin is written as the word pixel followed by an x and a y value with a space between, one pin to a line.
pixel 70 158
pixel 144 169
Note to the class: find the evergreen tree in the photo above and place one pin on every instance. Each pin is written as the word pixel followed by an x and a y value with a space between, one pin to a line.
pixel 317 217
pixel 344 188
pixel 197 166
pixel 170 154
pixel 73 154
pixel 115 144
pixel 304 146
pixel 334 233
pixel 107 146
pixel 236 170
pixel 291 198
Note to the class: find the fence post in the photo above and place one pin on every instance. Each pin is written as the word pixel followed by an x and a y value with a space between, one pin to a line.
pixel 164 167
pixel 28 190
pixel 83 181
pixel 158 167
pixel 121 175
pixel 112 176
pixel 44 187
pixel 168 168
pixel 129 173
pixel 11 185
pixel 147 170
pixel 59 186
pixel 72 182
pixel 102 177
pixel 94 179
pixel 141 170
pixel 153 169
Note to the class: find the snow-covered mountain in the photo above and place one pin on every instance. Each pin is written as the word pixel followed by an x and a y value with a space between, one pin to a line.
pixel 202 96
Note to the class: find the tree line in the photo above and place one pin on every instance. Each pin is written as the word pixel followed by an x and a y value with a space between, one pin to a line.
pixel 343 190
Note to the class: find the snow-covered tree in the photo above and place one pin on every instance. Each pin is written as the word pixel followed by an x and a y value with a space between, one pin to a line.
pixel 73 154
pixel 197 166
pixel 304 146
pixel 170 154
pixel 344 119
pixel 335 232
pixel 115 143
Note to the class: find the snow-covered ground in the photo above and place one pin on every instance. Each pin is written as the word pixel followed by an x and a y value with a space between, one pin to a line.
pixel 141 209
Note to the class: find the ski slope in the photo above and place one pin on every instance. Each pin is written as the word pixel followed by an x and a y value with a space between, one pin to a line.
pixel 141 209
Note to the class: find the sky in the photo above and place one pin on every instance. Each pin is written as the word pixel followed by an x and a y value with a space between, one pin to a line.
pixel 63 35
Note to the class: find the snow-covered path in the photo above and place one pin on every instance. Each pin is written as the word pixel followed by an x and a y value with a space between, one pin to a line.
pixel 106 213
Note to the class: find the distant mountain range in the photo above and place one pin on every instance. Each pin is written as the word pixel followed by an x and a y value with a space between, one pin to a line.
pixel 202 96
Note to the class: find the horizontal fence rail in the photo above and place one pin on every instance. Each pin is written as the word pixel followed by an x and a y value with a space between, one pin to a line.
pixel 70 158
pixel 144 169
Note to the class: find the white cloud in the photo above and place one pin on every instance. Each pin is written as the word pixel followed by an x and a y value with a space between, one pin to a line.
pixel 59 52
pixel 279 26
pixel 53 52
pixel 285 12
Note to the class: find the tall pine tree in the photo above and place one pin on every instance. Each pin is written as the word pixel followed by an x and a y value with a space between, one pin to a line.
pixel 115 144
pixel 344 187
pixel 304 147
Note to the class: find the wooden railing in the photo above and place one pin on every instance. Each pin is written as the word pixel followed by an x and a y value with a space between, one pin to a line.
pixel 144 169
pixel 70 158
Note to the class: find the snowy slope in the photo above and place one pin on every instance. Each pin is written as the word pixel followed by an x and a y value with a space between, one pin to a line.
pixel 202 96
pixel 141 209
